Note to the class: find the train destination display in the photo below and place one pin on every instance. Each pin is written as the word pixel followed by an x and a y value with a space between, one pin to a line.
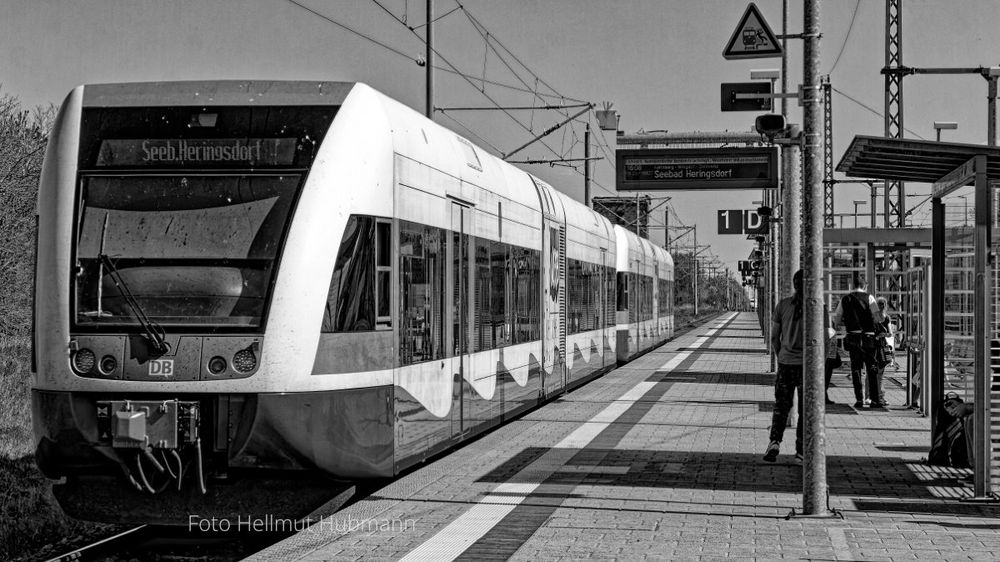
pixel 696 168
pixel 180 152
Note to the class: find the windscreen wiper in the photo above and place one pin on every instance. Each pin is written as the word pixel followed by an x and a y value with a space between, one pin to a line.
pixel 154 332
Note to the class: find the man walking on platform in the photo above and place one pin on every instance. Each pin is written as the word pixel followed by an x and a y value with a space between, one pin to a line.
pixel 860 314
pixel 787 334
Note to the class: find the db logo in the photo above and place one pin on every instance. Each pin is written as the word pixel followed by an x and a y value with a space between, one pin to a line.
pixel 161 367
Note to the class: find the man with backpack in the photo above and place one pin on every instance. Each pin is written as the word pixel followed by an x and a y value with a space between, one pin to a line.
pixel 860 316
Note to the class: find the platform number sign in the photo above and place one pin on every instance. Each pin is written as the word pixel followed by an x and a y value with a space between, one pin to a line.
pixel 740 221
pixel 731 222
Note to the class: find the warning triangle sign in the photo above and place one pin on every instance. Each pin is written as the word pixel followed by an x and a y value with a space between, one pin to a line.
pixel 753 38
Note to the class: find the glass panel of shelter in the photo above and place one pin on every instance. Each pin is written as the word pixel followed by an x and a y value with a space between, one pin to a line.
pixel 959 306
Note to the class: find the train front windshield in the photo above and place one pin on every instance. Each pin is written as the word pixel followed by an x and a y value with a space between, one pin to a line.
pixel 182 213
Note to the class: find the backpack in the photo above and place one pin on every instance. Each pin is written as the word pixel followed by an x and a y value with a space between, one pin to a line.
pixel 857 314
pixel 949 446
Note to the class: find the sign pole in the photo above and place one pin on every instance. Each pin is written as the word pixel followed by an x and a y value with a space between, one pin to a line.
pixel 694 257
pixel 429 56
pixel 791 184
pixel 586 165
pixel 982 320
pixel 814 484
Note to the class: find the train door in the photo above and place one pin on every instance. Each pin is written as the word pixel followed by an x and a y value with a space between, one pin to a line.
pixel 461 219
pixel 602 304
pixel 655 298
pixel 554 309
pixel 634 298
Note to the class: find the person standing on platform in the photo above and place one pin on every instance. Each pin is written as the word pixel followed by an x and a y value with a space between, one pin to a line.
pixel 832 353
pixel 888 334
pixel 859 314
pixel 787 335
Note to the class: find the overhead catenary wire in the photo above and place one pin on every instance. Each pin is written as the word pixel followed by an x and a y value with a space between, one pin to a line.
pixel 453 70
pixel 465 77
pixel 410 58
pixel 496 104
pixel 492 42
pixel 472 133
pixel 846 37
pixel 869 108
pixel 486 35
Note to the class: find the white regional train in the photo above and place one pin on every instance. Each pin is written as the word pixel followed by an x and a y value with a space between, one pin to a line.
pixel 243 282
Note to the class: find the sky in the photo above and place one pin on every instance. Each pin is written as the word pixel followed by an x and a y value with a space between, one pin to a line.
pixel 659 62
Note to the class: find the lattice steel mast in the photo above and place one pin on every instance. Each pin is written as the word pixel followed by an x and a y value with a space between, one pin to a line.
pixel 895 191
pixel 828 181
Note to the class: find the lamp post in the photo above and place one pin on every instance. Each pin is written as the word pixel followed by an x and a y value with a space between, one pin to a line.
pixel 857 203
pixel 938 125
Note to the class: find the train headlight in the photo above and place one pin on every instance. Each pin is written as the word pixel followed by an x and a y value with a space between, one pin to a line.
pixel 84 361
pixel 217 365
pixel 244 361
pixel 108 364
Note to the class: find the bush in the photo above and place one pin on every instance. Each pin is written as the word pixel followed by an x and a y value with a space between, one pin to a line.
pixel 23 136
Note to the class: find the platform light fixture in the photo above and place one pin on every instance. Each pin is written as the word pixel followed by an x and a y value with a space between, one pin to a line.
pixel 765 74
pixel 939 125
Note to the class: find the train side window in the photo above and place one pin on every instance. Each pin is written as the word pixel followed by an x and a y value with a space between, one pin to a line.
pixel 647 293
pixel 421 290
pixel 622 291
pixel 633 300
pixel 572 296
pixel 350 305
pixel 610 304
pixel 483 332
pixel 525 294
pixel 498 295
pixel 383 274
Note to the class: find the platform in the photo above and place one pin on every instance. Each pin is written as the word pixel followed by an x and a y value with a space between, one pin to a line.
pixel 662 459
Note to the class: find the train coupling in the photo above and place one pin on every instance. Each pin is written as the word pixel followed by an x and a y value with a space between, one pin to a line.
pixel 143 432
pixel 142 424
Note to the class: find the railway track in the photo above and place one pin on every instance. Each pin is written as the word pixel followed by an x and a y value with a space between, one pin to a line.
pixel 180 543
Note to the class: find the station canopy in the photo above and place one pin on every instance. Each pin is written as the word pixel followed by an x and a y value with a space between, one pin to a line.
pixel 910 160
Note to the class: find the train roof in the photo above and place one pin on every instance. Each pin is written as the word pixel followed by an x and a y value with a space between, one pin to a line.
pixel 210 93
pixel 628 240
pixel 417 138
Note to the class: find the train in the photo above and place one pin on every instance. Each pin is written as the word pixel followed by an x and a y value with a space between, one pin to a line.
pixel 245 290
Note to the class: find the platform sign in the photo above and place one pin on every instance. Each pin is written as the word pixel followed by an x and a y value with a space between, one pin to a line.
pixel 657 169
pixel 741 221
pixel 753 38
pixel 754 223
pixel 731 221
pixel 730 103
